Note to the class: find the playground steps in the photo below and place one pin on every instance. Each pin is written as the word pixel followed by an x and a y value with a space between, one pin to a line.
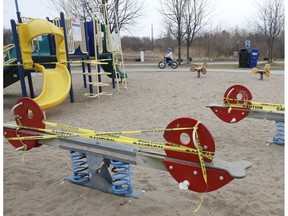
pixel 105 59
pixel 96 73
pixel 9 54
pixel 98 95
pixel 98 84
pixel 118 63
pixel 8 47
pixel 10 61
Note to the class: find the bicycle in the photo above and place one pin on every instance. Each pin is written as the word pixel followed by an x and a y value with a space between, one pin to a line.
pixel 162 64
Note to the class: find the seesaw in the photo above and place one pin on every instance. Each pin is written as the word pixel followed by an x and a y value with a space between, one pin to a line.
pixel 265 71
pixel 199 69
pixel 101 160
pixel 238 104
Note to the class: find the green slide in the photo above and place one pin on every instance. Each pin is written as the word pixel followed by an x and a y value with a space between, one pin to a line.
pixel 109 67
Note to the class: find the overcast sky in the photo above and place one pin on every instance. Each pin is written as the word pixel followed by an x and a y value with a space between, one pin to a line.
pixel 228 13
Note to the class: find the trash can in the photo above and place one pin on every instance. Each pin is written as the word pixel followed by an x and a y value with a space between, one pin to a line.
pixel 253 58
pixel 244 58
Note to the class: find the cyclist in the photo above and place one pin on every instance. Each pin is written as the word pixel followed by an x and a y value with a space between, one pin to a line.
pixel 169 56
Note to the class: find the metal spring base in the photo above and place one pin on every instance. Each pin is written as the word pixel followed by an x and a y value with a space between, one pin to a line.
pixel 122 183
pixel 94 173
pixel 80 172
pixel 279 137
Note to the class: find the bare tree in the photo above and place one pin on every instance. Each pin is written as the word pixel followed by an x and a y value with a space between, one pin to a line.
pixel 7 35
pixel 269 21
pixel 196 16
pixel 172 12
pixel 127 11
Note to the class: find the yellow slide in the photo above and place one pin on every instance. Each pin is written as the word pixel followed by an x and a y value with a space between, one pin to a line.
pixel 57 81
pixel 56 85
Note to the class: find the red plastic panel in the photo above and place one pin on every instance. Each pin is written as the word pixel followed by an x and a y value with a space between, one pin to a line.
pixel 235 115
pixel 30 113
pixel 237 94
pixel 27 113
pixel 8 133
pixel 206 140
pixel 193 174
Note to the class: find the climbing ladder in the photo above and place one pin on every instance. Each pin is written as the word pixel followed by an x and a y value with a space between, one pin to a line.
pixel 7 57
pixel 97 82
pixel 118 60
pixel 95 79
pixel 113 46
pixel 118 63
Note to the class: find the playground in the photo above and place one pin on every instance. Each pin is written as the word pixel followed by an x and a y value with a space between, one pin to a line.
pixel 50 47
pixel 153 99
pixel 86 144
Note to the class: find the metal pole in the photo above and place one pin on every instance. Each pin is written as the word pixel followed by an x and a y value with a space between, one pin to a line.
pixel 19 58
pixel 18 12
pixel 62 24
pixel 16 4
pixel 152 38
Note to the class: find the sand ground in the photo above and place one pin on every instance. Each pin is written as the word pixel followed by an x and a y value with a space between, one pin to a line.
pixel 152 101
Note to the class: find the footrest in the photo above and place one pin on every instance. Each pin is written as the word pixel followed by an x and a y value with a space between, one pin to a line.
pixel 236 169
pixel 218 173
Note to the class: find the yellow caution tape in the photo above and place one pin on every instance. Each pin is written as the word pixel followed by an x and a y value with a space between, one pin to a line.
pixel 200 154
pixel 255 105
pixel 68 127
pixel 260 106
pixel 64 62
pixel 111 137
pixel 202 164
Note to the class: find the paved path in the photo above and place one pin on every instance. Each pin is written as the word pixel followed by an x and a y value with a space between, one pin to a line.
pixel 153 67
pixel 168 69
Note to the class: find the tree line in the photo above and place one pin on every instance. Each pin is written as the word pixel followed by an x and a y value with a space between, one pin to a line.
pixel 187 20
pixel 216 44
pixel 186 24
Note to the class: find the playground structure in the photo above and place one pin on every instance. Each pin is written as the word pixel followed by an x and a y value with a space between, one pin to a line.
pixel 18 64
pixel 199 69
pixel 57 81
pixel 265 71
pixel 238 104
pixel 109 46
pixel 49 56
pixel 101 160
pixel 101 45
